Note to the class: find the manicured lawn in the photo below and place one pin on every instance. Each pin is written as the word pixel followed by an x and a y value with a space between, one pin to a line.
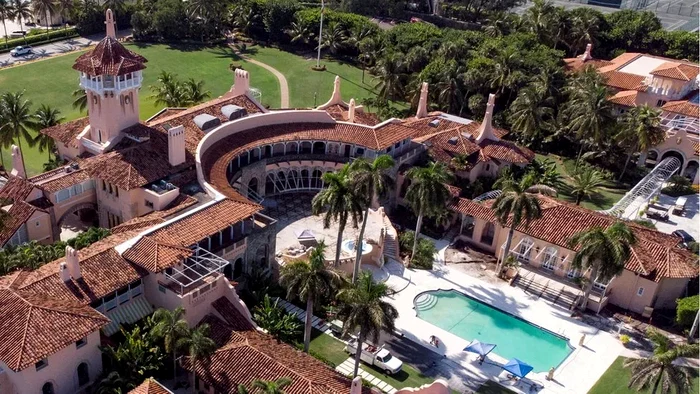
pixel 327 347
pixel 604 199
pixel 616 378
pixel 52 82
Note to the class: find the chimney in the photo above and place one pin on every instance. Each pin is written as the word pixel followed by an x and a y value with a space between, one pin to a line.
pixel 587 55
pixel 17 163
pixel 176 145
pixel 63 272
pixel 486 129
pixel 351 111
pixel 422 111
pixel 356 386
pixel 241 82
pixel 336 97
pixel 72 263
pixel 109 21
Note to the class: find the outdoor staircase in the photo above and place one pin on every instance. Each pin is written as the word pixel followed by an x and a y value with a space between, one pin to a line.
pixel 549 290
pixel 391 242
pixel 253 196
pixel 425 302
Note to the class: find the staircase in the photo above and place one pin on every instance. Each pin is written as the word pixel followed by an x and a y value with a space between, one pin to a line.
pixel 425 302
pixel 253 196
pixel 547 289
pixel 391 242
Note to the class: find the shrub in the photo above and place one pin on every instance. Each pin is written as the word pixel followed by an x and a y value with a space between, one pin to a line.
pixel 425 255
pixel 686 309
pixel 406 241
pixel 679 186
pixel 54 35
pixel 276 321
pixel 625 339
pixel 646 223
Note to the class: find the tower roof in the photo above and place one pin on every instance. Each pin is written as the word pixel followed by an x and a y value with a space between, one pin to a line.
pixel 109 57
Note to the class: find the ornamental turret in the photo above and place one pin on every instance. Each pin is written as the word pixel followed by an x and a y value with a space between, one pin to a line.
pixel 111 77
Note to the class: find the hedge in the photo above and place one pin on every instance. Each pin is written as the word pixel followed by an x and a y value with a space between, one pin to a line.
pixel 686 310
pixel 54 35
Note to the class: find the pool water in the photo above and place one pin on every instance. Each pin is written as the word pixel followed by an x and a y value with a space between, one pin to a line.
pixel 471 319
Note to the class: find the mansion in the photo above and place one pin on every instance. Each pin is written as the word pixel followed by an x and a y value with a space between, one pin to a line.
pixel 184 196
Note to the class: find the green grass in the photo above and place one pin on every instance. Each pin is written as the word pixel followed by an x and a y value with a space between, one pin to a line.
pixel 327 347
pixel 52 82
pixel 604 199
pixel 616 378
pixel 493 388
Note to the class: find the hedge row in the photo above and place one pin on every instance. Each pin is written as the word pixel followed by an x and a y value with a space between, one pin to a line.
pixel 53 36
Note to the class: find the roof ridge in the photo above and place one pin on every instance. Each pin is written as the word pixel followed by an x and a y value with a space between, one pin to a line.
pixel 24 334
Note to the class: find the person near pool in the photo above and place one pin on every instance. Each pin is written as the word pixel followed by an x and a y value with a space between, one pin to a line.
pixel 434 341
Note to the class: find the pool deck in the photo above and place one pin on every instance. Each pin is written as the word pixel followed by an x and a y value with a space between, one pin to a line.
pixel 576 374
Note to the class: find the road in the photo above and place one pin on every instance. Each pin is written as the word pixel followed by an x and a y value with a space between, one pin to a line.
pixel 56 48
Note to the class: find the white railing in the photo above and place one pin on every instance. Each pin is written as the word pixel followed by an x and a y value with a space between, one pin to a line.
pixel 92 146
pixel 102 83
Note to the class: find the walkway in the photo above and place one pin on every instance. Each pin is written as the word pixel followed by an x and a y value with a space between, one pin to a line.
pixel 284 87
pixel 347 367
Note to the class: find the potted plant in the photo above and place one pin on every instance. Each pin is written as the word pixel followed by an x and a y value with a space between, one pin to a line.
pixel 510 267
pixel 625 340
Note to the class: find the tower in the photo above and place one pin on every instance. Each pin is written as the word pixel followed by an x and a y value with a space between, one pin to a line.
pixel 111 77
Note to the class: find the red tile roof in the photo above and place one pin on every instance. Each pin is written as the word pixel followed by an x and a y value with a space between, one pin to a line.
pixel 35 326
pixel 675 70
pixel 655 254
pixel 16 189
pixel 67 133
pixel 340 113
pixel 64 181
pixel 683 107
pixel 19 213
pixel 623 80
pixel 156 256
pixel 109 57
pixel 150 386
pixel 627 98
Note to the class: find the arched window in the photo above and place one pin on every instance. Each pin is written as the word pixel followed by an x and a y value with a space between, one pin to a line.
pixel 83 375
pixel 549 258
pixel 47 388
pixel 237 268
pixel 524 249
pixel 319 148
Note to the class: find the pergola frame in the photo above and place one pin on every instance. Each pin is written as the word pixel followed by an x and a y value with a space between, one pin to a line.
pixel 205 260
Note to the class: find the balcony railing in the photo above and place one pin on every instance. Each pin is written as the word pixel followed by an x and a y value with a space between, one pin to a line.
pixel 111 83
pixel 197 270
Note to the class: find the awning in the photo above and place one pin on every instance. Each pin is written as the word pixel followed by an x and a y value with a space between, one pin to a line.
pixel 127 313
pixel 517 367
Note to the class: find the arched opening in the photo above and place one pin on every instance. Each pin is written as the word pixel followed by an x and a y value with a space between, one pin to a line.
pixel 305 147
pixel 305 178
pixel 524 250
pixel 237 268
pixel 253 186
pixel 673 153
pixel 549 258
pixel 319 148
pixel 78 219
pixel 268 151
pixel 83 375
pixel 47 388
pixel 278 149
pixel 488 233
pixel 261 257
pixel 316 182
pixel 691 171
pixel 292 147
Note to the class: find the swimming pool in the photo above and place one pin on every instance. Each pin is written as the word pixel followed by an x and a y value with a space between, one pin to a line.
pixel 471 319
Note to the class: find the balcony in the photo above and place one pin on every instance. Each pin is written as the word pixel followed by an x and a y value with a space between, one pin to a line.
pixel 111 83
pixel 197 270
pixel 158 195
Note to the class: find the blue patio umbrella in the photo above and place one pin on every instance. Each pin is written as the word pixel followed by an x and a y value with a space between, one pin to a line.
pixel 480 348
pixel 517 367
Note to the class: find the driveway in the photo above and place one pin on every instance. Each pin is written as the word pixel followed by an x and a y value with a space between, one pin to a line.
pixel 56 48
pixel 688 221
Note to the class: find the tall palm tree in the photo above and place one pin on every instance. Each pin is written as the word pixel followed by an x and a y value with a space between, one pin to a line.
pixel 46 116
pixel 428 193
pixel 504 73
pixel 18 117
pixel 363 308
pixel 372 181
pixel 310 281
pixel 21 11
pixel 80 101
pixel 340 201
pixel 658 372
pixel 539 19
pixel 195 92
pixel 586 182
pixel 334 38
pixel 603 252
pixel 171 327
pixel 5 14
pixel 531 113
pixel 168 91
pixel 267 386
pixel 390 73
pixel 518 203
pixel 640 131
pixel 45 7
pixel 114 5
pixel 64 8
pixel 199 346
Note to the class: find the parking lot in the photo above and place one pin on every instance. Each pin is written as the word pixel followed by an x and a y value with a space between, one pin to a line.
pixel 689 221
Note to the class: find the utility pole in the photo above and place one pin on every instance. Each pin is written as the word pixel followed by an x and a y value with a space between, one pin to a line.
pixel 320 33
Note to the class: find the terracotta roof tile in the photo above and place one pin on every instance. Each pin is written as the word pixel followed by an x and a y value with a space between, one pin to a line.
pixel 623 80
pixel 150 386
pixel 67 133
pixel 674 70
pixel 627 98
pixel 109 57
pixel 165 113
pixel 35 326
pixel 16 189
pixel 19 213
pixel 64 181
pixel 340 113
pixel 576 63
pixel 683 107
pixel 156 256
pixel 231 315
pixel 654 254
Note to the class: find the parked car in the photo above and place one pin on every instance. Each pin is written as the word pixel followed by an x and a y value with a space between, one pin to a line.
pixel 684 236
pixel 21 51
pixel 376 355
pixel 18 34
pixel 657 214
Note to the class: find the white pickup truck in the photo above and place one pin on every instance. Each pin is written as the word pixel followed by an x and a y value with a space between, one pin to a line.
pixel 376 355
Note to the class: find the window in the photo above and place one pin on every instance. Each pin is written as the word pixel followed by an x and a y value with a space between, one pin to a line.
pixel 77 189
pixel 148 204
pixel 41 364
pixel 660 103
pixel 549 261
pixel 360 151
pixel 488 167
pixel 468 226
pixel 573 273
pixel 600 285
pixel 640 291
pixel 20 236
pixel 110 188
pixel 116 191
pixel 47 388
pixel 487 235
pixel 37 223
pixel 523 252
pixel 161 288
pixel 80 343
pixel 83 375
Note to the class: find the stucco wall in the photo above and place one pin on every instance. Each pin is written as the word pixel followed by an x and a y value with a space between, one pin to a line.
pixel 39 228
pixel 65 206
pixel 669 290
pixel 62 369
pixel 623 291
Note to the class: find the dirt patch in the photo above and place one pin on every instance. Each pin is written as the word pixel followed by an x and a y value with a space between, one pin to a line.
pixel 472 262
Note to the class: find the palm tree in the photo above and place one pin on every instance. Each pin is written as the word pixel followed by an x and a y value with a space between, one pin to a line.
pixel 47 8
pixel 310 281
pixel 18 117
pixel 64 7
pixel 658 372
pixel 390 73
pixel 518 203
pixel 371 180
pixel 539 19
pixel 169 91
pixel 267 386
pixel 340 201
pixel 334 38
pixel 531 113
pixel 428 193
pixel 198 344
pixel 171 327
pixel 80 101
pixel 505 73
pixel 114 5
pixel 300 32
pixel 21 11
pixel 586 182
pixel 111 384
pixel 603 252
pixel 5 14
pixel 363 308
pixel 640 131
pixel 194 91
pixel 46 117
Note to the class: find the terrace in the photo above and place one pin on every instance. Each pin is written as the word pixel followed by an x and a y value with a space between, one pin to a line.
pixel 198 273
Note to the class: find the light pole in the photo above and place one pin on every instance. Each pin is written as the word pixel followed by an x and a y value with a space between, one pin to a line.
pixel 320 33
